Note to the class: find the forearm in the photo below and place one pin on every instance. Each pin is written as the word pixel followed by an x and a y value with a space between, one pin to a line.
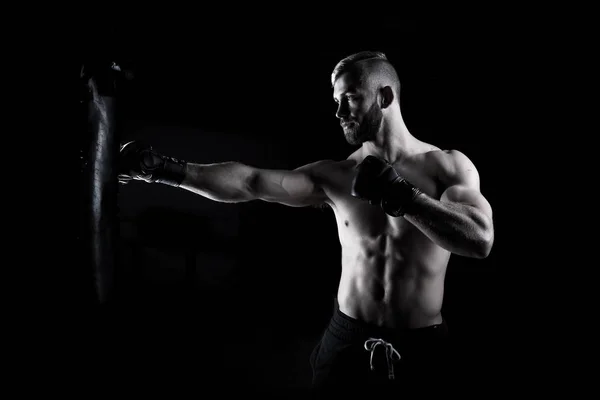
pixel 226 182
pixel 459 228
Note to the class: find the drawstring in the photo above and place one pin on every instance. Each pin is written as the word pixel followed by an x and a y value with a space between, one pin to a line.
pixel 390 352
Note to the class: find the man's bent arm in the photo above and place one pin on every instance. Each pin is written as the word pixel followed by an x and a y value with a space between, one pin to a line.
pixel 458 227
pixel 461 221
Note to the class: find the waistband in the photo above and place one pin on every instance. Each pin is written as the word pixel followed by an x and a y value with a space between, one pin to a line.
pixel 347 328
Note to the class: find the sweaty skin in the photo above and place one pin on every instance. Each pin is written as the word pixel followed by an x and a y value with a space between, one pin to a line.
pixel 392 273
pixel 393 268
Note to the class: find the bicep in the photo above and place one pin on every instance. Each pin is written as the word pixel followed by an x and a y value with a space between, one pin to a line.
pixel 296 188
pixel 464 194
pixel 463 185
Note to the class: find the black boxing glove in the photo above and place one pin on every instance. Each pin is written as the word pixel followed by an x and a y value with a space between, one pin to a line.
pixel 377 182
pixel 140 162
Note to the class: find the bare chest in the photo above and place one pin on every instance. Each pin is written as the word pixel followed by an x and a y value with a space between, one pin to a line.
pixel 359 220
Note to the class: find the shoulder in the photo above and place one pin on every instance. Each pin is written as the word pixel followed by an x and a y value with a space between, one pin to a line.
pixel 453 166
pixel 450 159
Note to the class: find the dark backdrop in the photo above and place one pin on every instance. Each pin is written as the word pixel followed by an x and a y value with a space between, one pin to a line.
pixel 236 295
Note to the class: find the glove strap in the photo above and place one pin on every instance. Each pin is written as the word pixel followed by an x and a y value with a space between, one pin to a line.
pixel 400 195
pixel 171 173
pixel 163 169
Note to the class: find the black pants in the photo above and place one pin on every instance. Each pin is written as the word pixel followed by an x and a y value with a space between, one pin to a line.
pixel 353 355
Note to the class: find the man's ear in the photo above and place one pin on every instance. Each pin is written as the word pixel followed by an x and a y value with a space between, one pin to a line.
pixel 387 96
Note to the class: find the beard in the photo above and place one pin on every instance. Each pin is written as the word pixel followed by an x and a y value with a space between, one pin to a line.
pixel 367 129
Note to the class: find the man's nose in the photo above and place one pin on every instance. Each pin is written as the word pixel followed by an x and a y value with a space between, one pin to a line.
pixel 342 110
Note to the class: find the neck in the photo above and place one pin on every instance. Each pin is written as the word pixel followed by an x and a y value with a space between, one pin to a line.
pixel 393 141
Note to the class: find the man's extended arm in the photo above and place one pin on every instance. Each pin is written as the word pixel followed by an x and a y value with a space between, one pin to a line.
pixel 232 182
pixel 228 182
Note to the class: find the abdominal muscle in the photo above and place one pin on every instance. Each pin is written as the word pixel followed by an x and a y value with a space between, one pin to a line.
pixel 393 289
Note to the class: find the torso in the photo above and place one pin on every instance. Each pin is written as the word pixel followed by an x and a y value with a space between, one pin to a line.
pixel 392 274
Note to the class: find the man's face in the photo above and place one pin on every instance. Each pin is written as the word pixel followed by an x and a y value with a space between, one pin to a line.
pixel 359 113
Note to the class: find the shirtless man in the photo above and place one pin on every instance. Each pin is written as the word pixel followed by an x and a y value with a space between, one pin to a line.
pixel 402 207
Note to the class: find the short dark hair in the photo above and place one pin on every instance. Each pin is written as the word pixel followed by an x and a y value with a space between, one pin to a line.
pixel 368 63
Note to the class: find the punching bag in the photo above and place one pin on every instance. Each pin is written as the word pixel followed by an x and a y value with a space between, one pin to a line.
pixel 99 151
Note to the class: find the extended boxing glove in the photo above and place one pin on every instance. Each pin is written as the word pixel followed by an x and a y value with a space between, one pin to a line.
pixel 141 162
pixel 377 182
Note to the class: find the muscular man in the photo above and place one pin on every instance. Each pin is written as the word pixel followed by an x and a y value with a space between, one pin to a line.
pixel 402 207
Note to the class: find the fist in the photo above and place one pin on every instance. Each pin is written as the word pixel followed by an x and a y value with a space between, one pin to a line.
pixel 373 178
pixel 137 161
